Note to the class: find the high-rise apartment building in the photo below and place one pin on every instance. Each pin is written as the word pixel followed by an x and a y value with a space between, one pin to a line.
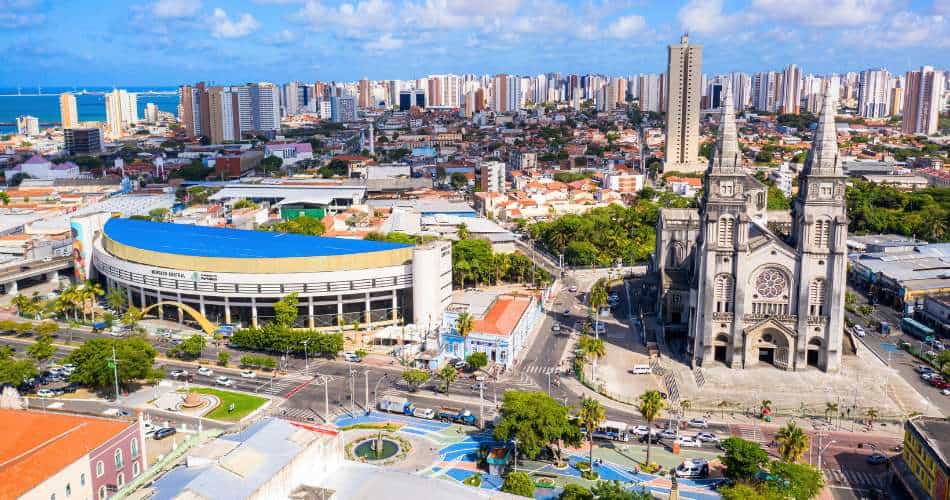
pixel 121 111
pixel 365 95
pixel 342 109
pixel 193 109
pixel 791 96
pixel 649 92
pixel 82 141
pixel 874 93
pixel 493 176
pixel 500 93
pixel 923 90
pixel 224 121
pixel 68 115
pixel 265 107
pixel 896 100
pixel 151 113
pixel 27 125
pixel 684 73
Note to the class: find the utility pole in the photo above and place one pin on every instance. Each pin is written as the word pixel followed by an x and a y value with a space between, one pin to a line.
pixel 306 357
pixel 481 404
pixel 366 386
pixel 352 390
pixel 115 374
pixel 326 397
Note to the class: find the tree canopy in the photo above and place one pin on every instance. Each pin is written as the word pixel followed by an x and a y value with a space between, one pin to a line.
pixel 93 361
pixel 743 459
pixel 875 208
pixel 536 420
pixel 518 483
pixel 306 225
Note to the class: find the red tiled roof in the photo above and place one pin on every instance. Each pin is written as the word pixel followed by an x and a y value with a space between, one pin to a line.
pixel 503 315
pixel 36 446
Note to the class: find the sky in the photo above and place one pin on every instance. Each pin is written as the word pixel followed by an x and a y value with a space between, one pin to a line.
pixel 170 42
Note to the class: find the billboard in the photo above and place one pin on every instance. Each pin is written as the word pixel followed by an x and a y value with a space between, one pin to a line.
pixel 84 230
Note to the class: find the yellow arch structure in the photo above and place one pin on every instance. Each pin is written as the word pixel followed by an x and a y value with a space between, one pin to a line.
pixel 206 325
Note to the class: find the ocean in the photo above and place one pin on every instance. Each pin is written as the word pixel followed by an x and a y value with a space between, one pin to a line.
pixel 91 107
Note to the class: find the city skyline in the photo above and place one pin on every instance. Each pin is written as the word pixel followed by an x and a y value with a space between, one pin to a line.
pixel 168 42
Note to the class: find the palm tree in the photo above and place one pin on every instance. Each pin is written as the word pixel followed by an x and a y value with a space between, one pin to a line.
pixel 651 404
pixel 116 299
pixel 448 374
pixel 872 415
pixel 464 324
pixel 684 406
pixel 592 349
pixel 22 303
pixel 463 232
pixel 90 290
pixel 792 442
pixel 831 409
pixel 591 415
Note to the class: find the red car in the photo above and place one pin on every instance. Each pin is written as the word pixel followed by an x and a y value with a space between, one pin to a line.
pixel 940 384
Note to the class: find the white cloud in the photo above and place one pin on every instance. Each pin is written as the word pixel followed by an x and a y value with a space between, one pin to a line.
pixel 224 27
pixel 942 7
pixel 904 29
pixel 168 9
pixel 360 20
pixel 706 17
pixel 282 37
pixel 450 14
pixel 823 13
pixel 384 43
pixel 626 26
pixel 20 13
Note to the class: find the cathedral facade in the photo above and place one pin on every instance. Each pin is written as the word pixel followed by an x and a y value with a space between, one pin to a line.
pixel 739 292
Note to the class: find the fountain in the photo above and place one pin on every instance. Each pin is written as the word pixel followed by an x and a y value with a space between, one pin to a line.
pixel 376 448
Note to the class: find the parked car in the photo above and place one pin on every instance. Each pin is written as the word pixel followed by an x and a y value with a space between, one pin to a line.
pixel 45 393
pixel 669 434
pixel 945 392
pixel 689 442
pixel 922 369
pixel 653 437
pixel 877 458
pixel 225 381
pixel 640 430
pixel 351 357
pixel 248 374
pixel 116 412
pixel 149 428
pixel 163 433
pixel 694 468
pixel 204 370
pixel 699 423
pixel 707 437
pixel 556 327
pixel 859 330
pixel 572 289
pixel 426 413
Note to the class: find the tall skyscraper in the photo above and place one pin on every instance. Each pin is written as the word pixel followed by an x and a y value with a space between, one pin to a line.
pixel 265 107
pixel 342 109
pixel 365 94
pixel 874 93
pixel 151 113
pixel 68 116
pixel 194 109
pixel 121 111
pixel 499 94
pixel 28 125
pixel 224 122
pixel 684 74
pixel 922 94
pixel 791 96
pixel 82 141
pixel 649 92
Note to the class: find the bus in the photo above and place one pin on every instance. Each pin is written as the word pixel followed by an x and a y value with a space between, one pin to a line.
pixel 916 328
pixel 614 431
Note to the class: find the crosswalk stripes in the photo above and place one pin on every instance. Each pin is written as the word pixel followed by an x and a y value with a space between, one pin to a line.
pixel 535 369
pixel 298 413
pixel 750 434
pixel 854 478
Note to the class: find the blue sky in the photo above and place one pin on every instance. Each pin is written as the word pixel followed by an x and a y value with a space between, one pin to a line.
pixel 168 42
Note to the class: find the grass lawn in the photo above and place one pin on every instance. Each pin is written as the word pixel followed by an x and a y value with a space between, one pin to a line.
pixel 244 404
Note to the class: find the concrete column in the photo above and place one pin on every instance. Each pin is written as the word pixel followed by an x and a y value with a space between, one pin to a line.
pixel 339 307
pixel 181 313
pixel 310 319
pixel 128 295
pixel 227 310
pixel 142 296
pixel 368 313
pixel 254 312
pixel 52 277
pixel 11 288
pixel 201 305
pixel 395 306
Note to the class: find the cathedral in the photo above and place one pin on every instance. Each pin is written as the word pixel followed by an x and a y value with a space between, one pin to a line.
pixel 744 286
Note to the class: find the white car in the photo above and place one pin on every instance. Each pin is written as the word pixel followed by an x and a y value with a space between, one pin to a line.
pixel 640 430
pixel 204 370
pixel 694 468
pixel 699 423
pixel 45 393
pixel 178 373
pixel 859 331
pixel 225 381
pixel 426 413
pixel 669 434
pixel 945 392
pixel 688 441
pixel 351 357
pixel 248 374
pixel 556 327
pixel 149 428
pixel 707 437
pixel 572 289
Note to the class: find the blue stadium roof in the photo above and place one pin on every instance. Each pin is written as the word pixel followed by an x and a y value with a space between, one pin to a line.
pixel 204 241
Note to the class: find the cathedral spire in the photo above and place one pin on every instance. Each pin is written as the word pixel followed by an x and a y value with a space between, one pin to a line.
pixel 823 157
pixel 726 154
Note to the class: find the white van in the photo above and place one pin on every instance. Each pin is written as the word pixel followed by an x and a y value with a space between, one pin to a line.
pixel 641 370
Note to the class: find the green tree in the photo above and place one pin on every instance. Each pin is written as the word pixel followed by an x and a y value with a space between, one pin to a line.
pixel 477 360
pixel 46 329
pixel 536 420
pixel 799 481
pixel 192 346
pixel 743 459
pixel 591 414
pixel 615 490
pixel 518 483
pixel 650 406
pixel 464 324
pixel 286 311
pixel 158 214
pixel 14 371
pixel 306 225
pixel 748 491
pixel 792 442
pixel 41 350
pixel 4 198
pixel 591 348
pixel 415 378
pixel 132 316
pixel 573 491
pixel 116 299
pixel 94 366
pixel 448 374
pixel 271 164
pixel 458 180
pixel 244 203
pixel 223 358
pixel 463 232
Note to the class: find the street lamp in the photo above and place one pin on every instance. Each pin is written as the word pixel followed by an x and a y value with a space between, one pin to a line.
pixel 821 448
pixel 306 357
pixel 515 442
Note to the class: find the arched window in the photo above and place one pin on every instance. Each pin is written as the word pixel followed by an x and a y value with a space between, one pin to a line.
pixel 134 448
pixel 119 462
pixel 135 469
pixel 822 233
pixel 816 298
pixel 726 232
pixel 120 479
pixel 103 493
pixel 723 293
pixel 100 469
